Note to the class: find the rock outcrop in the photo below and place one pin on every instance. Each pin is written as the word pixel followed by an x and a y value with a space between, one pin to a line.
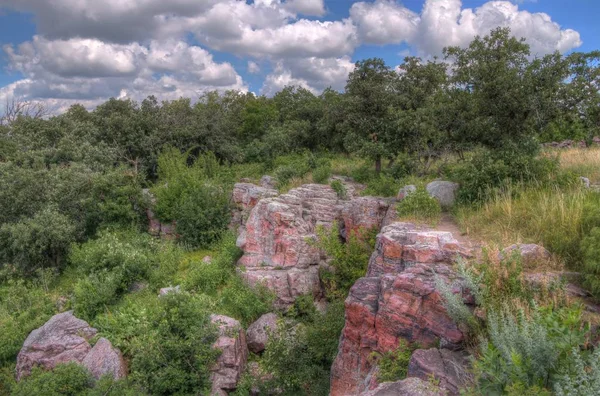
pixel 397 300
pixel 257 334
pixel 400 245
pixel 448 368
pixel 65 339
pixel 530 254
pixel 363 213
pixel 234 353
pixel 245 196
pixel 406 190
pixel 443 191
pixel 104 359
pixel 407 387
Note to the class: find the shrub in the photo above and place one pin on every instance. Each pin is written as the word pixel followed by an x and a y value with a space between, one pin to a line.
pixel 96 292
pixel 582 378
pixel 363 174
pixel 321 174
pixel 69 379
pixel 349 260
pixel 419 205
pixel 590 247
pixel 339 189
pixel 243 302
pixel 393 365
pixel 202 215
pixel 382 185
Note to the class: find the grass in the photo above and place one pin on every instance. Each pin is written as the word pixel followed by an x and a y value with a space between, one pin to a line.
pixel 581 161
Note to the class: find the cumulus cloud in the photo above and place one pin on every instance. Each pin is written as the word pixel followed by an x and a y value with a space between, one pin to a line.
pixel 445 23
pixel 90 50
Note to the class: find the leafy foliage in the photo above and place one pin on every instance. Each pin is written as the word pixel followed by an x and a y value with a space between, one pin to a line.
pixel 393 365
pixel 420 205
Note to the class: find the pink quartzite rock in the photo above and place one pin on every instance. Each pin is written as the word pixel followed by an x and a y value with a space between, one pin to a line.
pixel 363 213
pixel 245 196
pixel 400 245
pixel 407 387
pixel 234 354
pixel 447 367
pixel 397 300
pixel 62 339
pixel 104 359
pixel 257 333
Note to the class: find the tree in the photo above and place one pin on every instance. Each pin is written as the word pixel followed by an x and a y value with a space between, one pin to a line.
pixel 370 100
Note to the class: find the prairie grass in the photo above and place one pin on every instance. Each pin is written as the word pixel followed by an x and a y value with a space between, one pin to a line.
pixel 549 216
pixel 581 161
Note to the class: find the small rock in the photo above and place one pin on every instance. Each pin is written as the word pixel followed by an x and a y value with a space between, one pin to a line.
pixel 408 387
pixel 585 181
pixel 447 367
pixel 531 254
pixel 104 359
pixel 207 260
pixel 404 191
pixel 166 290
pixel 234 353
pixel 268 182
pixel 258 332
pixel 443 191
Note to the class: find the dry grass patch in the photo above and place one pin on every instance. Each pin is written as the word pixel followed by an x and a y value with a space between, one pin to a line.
pixel 581 161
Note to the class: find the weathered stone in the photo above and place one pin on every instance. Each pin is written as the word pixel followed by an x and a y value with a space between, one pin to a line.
pixel 407 387
pixel 62 339
pixel 443 191
pixel 245 196
pixel 530 254
pixel 230 365
pixel 404 191
pixel 103 359
pixel 585 181
pixel 278 240
pixel 363 213
pixel 450 368
pixel 268 182
pixel 257 334
pixel 207 259
pixel 168 290
pixel 381 310
pixel 400 245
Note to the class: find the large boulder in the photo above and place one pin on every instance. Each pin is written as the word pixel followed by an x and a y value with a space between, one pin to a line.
pixel 443 191
pixel 400 245
pixel 65 339
pixel 104 359
pixel 407 387
pixel 257 334
pixel 230 365
pixel 398 300
pixel 448 368
pixel 406 190
pixel 381 310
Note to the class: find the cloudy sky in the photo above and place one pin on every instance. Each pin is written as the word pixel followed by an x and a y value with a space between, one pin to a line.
pixel 69 51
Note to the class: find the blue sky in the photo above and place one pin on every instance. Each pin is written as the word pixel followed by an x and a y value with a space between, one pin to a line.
pixel 69 51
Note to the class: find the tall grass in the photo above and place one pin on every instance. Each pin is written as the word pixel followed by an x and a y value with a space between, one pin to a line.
pixel 549 216
pixel 581 161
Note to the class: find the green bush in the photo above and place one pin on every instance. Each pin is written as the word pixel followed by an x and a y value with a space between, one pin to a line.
pixel 419 205
pixel 382 186
pixel 339 189
pixel 99 290
pixel 582 378
pixel 243 302
pixel 590 248
pixel 349 260
pixel 322 174
pixel 393 365
pixel 69 379
pixel 363 174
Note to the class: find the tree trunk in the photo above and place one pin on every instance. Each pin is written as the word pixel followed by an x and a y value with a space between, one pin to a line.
pixel 378 165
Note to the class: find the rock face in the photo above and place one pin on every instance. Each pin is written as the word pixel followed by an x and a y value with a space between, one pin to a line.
pixel 277 241
pixel 104 359
pixel 245 196
pixel 400 245
pixel 397 299
pixel 363 213
pixel 447 367
pixel 443 191
pixel 404 191
pixel 63 339
pixel 234 354
pixel 257 333
pixel 531 254
pixel 407 387
pixel 278 237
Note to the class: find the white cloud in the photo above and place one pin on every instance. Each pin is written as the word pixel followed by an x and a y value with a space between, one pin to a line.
pixel 253 67
pixel 384 22
pixel 306 7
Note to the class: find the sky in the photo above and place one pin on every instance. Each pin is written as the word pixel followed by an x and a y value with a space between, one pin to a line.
pixel 62 52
